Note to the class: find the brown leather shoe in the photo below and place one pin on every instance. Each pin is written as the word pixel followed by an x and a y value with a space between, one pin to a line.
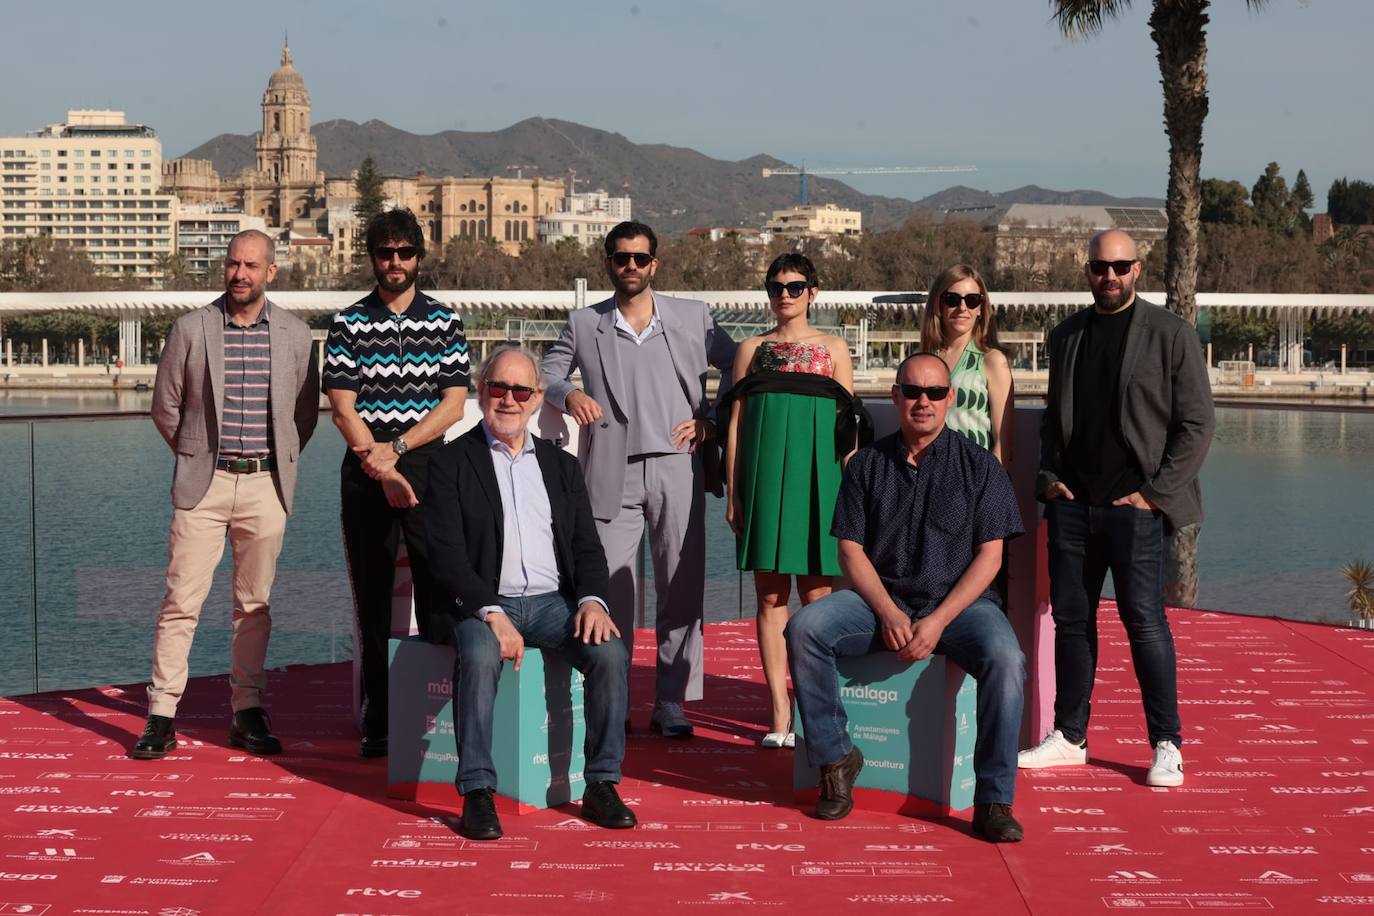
pixel 837 786
pixel 995 824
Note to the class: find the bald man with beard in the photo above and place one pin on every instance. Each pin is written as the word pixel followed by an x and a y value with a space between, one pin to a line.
pixel 1126 428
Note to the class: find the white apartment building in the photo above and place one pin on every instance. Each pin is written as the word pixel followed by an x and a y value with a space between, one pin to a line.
pixel 587 217
pixel 91 182
pixel 204 231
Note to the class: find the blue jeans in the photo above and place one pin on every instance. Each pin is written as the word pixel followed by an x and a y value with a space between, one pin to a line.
pixel 979 640
pixel 1085 542
pixel 546 622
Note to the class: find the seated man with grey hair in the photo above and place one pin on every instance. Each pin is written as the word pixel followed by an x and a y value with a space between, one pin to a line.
pixel 517 562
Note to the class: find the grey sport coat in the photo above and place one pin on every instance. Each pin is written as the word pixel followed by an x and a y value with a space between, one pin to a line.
pixel 188 398
pixel 588 343
pixel 1164 405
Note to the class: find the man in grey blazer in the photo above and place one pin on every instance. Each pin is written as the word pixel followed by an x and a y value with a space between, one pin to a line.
pixel 644 412
pixel 1127 424
pixel 236 398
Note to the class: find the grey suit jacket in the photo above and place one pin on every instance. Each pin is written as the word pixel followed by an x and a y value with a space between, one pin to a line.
pixel 1164 405
pixel 188 398
pixel 588 343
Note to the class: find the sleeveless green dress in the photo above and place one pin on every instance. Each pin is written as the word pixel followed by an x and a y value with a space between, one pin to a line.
pixel 789 472
pixel 971 413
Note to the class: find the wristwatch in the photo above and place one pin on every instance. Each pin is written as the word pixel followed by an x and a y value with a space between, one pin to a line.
pixel 399 445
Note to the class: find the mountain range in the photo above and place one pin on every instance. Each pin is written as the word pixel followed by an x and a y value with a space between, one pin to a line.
pixel 674 188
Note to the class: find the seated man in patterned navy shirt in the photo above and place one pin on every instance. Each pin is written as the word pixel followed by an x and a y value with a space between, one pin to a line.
pixel 921 518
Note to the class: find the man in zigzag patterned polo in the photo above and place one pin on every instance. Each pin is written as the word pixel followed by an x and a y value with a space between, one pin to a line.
pixel 396 372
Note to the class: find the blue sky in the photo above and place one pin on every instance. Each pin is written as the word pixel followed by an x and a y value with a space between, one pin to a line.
pixel 861 82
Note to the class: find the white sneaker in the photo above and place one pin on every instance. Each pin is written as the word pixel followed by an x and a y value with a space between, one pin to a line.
pixel 1167 767
pixel 1054 751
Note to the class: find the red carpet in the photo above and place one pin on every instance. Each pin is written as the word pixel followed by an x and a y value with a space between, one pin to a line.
pixel 1277 813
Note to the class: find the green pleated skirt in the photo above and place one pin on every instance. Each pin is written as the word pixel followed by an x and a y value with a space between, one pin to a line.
pixel 789 479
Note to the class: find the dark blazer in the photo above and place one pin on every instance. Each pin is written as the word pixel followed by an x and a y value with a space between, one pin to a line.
pixel 1164 406
pixel 464 526
pixel 188 397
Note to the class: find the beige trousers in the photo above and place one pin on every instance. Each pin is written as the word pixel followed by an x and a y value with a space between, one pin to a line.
pixel 247 507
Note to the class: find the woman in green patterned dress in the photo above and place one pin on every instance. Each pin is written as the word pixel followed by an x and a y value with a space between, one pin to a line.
pixel 958 327
pixel 783 466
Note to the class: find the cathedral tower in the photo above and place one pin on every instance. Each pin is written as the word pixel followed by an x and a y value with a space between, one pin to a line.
pixel 287 151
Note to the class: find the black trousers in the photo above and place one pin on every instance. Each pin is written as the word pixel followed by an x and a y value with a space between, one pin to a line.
pixel 372 529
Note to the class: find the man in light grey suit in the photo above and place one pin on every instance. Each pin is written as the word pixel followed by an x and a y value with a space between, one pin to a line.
pixel 236 398
pixel 644 412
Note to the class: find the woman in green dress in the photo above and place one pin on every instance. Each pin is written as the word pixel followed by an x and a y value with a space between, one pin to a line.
pixel 784 467
pixel 958 327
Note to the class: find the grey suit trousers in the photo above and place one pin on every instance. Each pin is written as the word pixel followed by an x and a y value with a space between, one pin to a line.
pixel 665 492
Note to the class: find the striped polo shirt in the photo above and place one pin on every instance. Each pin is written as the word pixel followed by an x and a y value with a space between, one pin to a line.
pixel 398 364
pixel 246 430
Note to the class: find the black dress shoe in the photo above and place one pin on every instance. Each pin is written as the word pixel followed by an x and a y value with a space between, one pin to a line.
pixel 602 806
pixel 372 746
pixel 479 821
pixel 837 786
pixel 995 824
pixel 159 737
pixel 252 732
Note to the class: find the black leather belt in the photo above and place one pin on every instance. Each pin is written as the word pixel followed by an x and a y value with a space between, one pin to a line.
pixel 245 465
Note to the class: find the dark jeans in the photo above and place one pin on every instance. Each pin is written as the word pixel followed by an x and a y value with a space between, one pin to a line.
pixel 372 529
pixel 546 622
pixel 979 640
pixel 1085 542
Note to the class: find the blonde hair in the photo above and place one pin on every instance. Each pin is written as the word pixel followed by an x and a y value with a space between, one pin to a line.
pixel 932 329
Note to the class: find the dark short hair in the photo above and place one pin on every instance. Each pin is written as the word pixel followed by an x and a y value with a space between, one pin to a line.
pixel 796 263
pixel 630 229
pixel 399 225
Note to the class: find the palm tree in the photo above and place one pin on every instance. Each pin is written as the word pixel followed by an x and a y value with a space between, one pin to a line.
pixel 1178 28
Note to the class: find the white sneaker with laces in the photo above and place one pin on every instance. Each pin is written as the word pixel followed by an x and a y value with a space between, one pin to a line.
pixel 1167 766
pixel 1054 751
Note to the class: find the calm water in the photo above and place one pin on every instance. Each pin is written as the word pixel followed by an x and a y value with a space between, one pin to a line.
pixel 1287 498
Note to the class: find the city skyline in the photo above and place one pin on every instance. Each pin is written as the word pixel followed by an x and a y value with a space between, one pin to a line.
pixel 832 89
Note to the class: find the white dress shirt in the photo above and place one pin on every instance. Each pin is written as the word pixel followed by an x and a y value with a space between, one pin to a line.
pixel 529 564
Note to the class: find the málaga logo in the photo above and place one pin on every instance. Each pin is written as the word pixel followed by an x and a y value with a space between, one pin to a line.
pixel 865 692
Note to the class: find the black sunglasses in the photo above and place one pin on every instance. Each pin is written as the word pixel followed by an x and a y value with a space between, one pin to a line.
pixel 384 253
pixel 1120 268
pixel 973 301
pixel 623 258
pixel 796 289
pixel 521 393
pixel 914 392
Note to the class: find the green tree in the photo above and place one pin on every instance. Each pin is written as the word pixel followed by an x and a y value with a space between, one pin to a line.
pixel 1225 202
pixel 1275 206
pixel 39 264
pixel 1179 30
pixel 1350 203
pixel 369 186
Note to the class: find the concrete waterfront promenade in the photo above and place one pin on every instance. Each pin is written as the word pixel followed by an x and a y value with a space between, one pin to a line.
pixel 1276 815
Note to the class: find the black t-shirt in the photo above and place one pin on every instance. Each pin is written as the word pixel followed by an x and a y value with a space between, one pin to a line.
pixel 1100 466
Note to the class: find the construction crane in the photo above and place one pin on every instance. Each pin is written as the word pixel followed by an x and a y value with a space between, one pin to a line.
pixel 803 173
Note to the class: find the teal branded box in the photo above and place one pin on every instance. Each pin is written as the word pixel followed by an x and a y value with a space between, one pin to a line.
pixel 537 735
pixel 915 723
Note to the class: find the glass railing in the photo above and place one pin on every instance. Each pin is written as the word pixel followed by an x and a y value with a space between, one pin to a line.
pixel 86 507
pixel 86 503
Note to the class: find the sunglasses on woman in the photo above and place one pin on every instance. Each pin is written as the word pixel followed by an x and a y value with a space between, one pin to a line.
pixel 795 290
pixel 972 301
